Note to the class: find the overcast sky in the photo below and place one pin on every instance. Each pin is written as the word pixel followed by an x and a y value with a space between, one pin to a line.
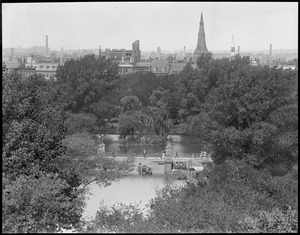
pixel 169 25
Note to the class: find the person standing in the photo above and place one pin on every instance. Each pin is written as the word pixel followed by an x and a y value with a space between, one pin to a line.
pixel 145 153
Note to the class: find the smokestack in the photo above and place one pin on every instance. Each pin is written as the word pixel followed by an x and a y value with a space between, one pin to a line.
pixel 239 49
pixel 270 49
pixel 47 44
pixel 100 52
pixel 12 53
pixel 184 50
pixel 61 56
pixel 232 46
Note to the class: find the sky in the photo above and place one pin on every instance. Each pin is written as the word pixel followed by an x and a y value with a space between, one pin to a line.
pixel 168 25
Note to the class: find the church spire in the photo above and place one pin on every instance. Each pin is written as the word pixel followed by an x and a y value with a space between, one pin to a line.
pixel 201 44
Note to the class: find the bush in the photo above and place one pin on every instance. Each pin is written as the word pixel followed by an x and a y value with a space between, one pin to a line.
pixel 38 205
pixel 275 221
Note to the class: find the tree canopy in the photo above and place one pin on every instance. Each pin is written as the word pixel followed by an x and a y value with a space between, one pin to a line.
pixel 89 84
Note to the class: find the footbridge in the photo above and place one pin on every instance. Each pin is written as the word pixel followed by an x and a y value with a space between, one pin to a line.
pixel 186 158
pixel 166 156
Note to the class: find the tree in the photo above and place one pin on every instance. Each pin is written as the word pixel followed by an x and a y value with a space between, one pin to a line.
pixel 158 111
pixel 32 133
pixel 89 84
pixel 132 119
pixel 204 59
pixel 81 122
pixel 38 204
pixel 255 110
pixel 32 127
pixel 81 158
pixel 142 86
pixel 45 172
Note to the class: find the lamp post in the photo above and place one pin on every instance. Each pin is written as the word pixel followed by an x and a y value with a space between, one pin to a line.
pixel 168 160
pixel 101 148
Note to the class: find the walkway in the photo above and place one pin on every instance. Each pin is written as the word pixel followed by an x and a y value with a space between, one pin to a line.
pixel 159 159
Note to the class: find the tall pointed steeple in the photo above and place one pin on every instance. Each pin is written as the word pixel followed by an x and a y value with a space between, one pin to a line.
pixel 201 44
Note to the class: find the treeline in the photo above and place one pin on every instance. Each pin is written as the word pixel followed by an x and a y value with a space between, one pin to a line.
pixel 48 153
pixel 246 116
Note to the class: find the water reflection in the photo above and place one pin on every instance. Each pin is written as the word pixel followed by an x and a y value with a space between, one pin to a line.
pixel 180 143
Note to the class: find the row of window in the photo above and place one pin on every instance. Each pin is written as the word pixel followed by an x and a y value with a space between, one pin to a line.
pixel 125 70
pixel 163 69
pixel 48 67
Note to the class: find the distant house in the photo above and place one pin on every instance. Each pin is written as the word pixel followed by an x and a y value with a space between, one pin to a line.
pixel 47 68
pixel 125 68
pixel 160 67
pixel 12 66
pixel 176 68
pixel 27 71
pixel 142 67
pixel 288 66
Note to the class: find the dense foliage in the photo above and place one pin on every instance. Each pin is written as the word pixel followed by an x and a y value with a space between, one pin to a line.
pixel 37 194
pixel 89 84
pixel 46 163
pixel 246 115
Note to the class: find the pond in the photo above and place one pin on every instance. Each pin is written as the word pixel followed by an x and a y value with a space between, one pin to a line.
pixel 180 143
pixel 135 188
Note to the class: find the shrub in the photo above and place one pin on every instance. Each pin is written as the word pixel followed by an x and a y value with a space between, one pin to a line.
pixel 275 221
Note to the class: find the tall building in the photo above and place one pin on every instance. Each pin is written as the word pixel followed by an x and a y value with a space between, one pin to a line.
pixel 201 44
pixel 232 47
pixel 136 52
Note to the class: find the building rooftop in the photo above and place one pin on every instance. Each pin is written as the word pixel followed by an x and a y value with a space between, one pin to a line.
pixel 176 67
pixel 159 63
pixel 12 65
pixel 143 64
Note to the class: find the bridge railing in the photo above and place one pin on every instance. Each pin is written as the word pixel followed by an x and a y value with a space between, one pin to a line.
pixel 191 155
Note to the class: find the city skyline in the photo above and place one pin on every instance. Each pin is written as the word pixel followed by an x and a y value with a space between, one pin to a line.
pixel 168 25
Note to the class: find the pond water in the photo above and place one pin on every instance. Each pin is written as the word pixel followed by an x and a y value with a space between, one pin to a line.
pixel 180 143
pixel 135 188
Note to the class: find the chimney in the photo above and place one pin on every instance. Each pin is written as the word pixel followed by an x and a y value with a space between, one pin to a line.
pixel 184 49
pixel 270 49
pixel 239 49
pixel 61 56
pixel 232 46
pixel 12 53
pixel 100 52
pixel 47 44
